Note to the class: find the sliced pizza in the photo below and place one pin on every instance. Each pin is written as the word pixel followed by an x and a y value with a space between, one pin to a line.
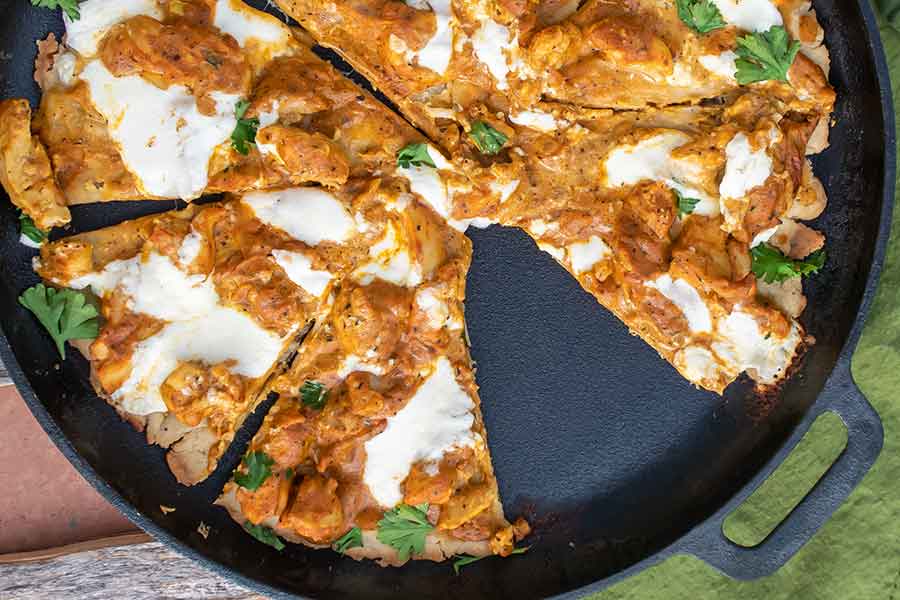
pixel 445 63
pixel 150 100
pixel 376 445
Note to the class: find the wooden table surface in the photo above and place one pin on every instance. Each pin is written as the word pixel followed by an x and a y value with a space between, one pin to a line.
pixel 52 524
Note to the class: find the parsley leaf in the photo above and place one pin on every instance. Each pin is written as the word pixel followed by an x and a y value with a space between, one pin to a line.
pixel 466 559
pixel 414 155
pixel 244 132
pixel 70 7
pixel 684 204
pixel 351 539
pixel 765 56
pixel 264 535
pixel 259 467
pixel 404 528
pixel 314 395
pixel 771 265
pixel 488 139
pixel 700 15
pixel 30 230
pixel 63 313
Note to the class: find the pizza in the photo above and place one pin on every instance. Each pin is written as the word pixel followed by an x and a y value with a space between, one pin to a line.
pixel 659 151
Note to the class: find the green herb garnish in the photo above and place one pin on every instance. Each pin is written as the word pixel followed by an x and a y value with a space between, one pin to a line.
pixel 264 535
pixel 700 15
pixel 64 314
pixel 465 559
pixel 488 139
pixel 684 204
pixel 30 230
pixel 70 7
pixel 258 467
pixel 765 56
pixel 415 155
pixel 351 539
pixel 314 395
pixel 404 528
pixel 244 133
pixel 772 266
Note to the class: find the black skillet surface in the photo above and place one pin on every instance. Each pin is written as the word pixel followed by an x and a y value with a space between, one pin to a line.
pixel 617 461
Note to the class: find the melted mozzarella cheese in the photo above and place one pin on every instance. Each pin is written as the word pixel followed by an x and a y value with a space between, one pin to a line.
pixel 722 64
pixel 97 16
pixel 584 255
pixel 491 42
pixel 696 363
pixel 558 253
pixel 299 269
pixel 391 261
pixel 536 119
pixel 355 364
pixel 431 187
pixel 198 327
pixel 163 138
pixel 308 214
pixel 651 159
pixel 246 24
pixel 190 248
pixel 428 301
pixel 746 347
pixel 763 236
pixel 745 168
pixel 504 190
pixel 435 55
pixel 436 419
pixel 751 15
pixel 686 298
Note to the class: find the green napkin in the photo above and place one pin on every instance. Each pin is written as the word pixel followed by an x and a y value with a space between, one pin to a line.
pixel 856 555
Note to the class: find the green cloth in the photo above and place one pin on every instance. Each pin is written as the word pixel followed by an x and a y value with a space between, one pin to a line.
pixel 856 555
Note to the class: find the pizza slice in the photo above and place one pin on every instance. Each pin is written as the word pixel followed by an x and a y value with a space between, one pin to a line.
pixel 150 100
pixel 376 445
pixel 684 223
pixel 447 63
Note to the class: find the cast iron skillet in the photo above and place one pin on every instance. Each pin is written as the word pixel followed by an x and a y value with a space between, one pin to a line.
pixel 617 461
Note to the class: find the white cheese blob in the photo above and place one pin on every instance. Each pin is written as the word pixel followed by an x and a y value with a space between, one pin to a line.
pixel 491 42
pixel 246 24
pixel 745 347
pixel 64 67
pixel 428 301
pixel 436 419
pixel 199 327
pixel 504 190
pixel 308 214
pixel 722 64
pixel 686 298
pixel 536 119
pixel 745 168
pixel 163 138
pixel 751 15
pixel 558 253
pixel 696 363
pixel 391 262
pixel 299 269
pixel 435 55
pixel 763 236
pixel 651 159
pixel 431 187
pixel 98 16
pixel 584 255
pixel 190 248
pixel 355 364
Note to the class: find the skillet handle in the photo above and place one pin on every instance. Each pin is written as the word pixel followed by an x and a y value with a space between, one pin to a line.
pixel 865 436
